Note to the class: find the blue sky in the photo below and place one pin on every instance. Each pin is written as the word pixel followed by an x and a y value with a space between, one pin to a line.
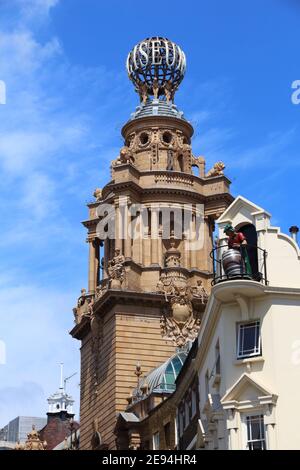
pixel 67 98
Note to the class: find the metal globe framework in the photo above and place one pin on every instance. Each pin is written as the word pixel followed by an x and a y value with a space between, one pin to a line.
pixel 156 66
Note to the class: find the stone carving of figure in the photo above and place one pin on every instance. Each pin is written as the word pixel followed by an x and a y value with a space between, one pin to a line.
pixel 100 290
pixel 98 194
pixel 126 155
pixel 155 87
pixel 165 286
pixel 169 93
pixel 142 91
pixel 199 291
pixel 170 158
pixel 33 442
pixel 217 170
pixel 160 286
pixel 83 308
pixel 116 269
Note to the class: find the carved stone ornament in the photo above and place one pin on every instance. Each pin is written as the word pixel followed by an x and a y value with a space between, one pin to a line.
pixel 116 270
pixel 179 323
pixel 98 194
pixel 126 156
pixel 33 442
pixel 84 306
pixel 217 170
pixel 100 290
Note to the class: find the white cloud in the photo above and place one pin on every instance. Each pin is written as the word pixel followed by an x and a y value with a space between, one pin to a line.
pixel 36 8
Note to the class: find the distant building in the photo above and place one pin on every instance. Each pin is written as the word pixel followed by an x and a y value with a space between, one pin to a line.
pixel 60 423
pixel 17 429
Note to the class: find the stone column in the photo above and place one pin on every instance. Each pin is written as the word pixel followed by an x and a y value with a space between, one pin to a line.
pixel 186 251
pixel 137 241
pixel 160 249
pixel 146 243
pixel 92 263
pixel 193 252
pixel 97 261
pixel 154 235
pixel 118 240
pixel 106 257
pixel 127 233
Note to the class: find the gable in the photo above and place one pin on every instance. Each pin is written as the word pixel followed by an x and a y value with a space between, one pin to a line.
pixel 246 389
pixel 241 206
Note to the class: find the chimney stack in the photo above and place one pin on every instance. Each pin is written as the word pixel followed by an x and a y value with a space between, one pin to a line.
pixel 294 232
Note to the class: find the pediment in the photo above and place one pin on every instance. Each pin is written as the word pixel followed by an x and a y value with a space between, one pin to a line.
pixel 242 206
pixel 246 389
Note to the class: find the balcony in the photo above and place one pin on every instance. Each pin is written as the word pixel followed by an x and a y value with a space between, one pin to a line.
pixel 245 262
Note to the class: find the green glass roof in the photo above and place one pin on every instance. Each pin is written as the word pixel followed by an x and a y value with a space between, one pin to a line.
pixel 163 377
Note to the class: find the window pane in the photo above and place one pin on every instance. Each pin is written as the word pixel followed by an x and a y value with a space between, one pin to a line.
pixel 249 339
pixel 255 433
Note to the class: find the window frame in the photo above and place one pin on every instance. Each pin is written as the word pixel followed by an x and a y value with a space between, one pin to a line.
pixel 248 416
pixel 241 354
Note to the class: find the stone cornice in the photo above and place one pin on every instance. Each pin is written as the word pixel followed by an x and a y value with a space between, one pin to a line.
pixel 162 122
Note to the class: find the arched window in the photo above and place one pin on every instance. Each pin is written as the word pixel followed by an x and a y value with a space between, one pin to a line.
pixel 196 170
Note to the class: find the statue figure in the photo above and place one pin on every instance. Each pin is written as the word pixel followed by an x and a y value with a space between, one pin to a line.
pixel 170 158
pixel 83 307
pixel 142 90
pixel 100 290
pixel 155 87
pixel 116 269
pixel 237 241
pixel 160 286
pixel 217 170
pixel 169 91
pixel 165 286
pixel 126 155
pixel 98 194
pixel 199 291
pixel 33 442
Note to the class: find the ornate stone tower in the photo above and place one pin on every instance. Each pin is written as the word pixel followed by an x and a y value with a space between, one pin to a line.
pixel 150 235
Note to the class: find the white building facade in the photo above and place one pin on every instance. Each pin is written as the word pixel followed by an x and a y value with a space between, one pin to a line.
pixel 249 344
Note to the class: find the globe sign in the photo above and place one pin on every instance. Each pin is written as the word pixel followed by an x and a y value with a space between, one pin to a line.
pixel 156 58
